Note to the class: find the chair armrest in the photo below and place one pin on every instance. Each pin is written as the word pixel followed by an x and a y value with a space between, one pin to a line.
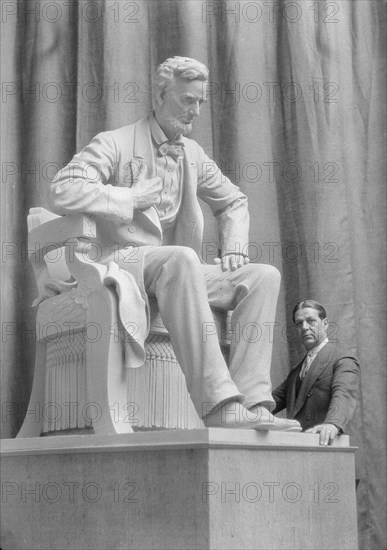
pixel 54 234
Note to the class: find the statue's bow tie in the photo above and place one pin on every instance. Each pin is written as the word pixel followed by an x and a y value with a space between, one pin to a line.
pixel 172 148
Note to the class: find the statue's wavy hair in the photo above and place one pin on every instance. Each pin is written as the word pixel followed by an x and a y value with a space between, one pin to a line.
pixel 179 67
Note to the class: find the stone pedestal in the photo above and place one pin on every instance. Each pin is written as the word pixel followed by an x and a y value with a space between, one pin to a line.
pixel 188 489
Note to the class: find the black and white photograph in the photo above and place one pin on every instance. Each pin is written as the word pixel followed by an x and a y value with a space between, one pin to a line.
pixel 193 275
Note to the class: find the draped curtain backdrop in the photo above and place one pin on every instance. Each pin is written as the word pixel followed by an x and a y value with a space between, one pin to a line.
pixel 294 117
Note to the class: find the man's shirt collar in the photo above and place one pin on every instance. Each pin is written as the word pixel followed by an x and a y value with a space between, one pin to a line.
pixel 314 351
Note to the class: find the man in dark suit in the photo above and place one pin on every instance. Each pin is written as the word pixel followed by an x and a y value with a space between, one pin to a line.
pixel 322 390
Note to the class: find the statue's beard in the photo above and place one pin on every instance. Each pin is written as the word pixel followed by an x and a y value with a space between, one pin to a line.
pixel 177 127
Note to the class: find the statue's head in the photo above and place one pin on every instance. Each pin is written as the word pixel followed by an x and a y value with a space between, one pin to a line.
pixel 180 90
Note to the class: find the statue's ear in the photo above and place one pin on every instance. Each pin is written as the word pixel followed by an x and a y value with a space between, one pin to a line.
pixel 159 96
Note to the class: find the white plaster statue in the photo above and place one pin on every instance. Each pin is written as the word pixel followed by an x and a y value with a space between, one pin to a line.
pixel 140 183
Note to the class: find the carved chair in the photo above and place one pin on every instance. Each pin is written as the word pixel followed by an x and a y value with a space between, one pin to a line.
pixel 81 384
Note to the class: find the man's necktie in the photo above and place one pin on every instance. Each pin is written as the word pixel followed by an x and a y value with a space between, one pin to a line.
pixel 172 148
pixel 306 366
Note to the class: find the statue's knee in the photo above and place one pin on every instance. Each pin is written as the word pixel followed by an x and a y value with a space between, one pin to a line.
pixel 271 278
pixel 265 274
pixel 272 274
pixel 185 259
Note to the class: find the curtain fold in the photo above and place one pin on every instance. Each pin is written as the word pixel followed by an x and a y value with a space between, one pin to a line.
pixel 294 117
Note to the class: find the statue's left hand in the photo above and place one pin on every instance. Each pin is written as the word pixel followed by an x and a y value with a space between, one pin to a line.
pixel 232 261
pixel 327 432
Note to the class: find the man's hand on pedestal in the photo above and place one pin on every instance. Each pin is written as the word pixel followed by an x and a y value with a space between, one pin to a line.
pixel 327 432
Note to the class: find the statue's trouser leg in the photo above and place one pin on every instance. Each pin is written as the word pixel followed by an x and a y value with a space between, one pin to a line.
pixel 252 293
pixel 175 276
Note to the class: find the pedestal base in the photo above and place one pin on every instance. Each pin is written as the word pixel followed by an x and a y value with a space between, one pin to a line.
pixel 189 489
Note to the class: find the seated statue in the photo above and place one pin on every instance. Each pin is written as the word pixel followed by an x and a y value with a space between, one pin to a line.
pixel 141 183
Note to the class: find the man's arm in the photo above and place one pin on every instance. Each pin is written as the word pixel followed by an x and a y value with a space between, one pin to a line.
pixel 279 396
pixel 345 392
pixel 344 396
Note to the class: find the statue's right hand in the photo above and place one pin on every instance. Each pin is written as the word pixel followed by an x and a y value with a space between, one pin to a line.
pixel 146 191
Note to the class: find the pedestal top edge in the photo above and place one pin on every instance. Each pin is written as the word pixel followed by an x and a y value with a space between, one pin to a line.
pixel 209 438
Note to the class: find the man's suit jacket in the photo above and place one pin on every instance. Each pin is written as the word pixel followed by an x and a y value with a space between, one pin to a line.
pixel 328 393
pixel 98 182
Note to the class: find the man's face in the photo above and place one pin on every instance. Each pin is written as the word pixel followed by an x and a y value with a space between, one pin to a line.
pixel 179 105
pixel 311 329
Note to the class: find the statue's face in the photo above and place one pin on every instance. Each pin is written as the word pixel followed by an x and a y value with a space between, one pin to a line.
pixel 179 106
pixel 311 329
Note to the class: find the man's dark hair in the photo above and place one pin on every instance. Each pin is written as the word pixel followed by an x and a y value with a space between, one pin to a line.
pixel 312 304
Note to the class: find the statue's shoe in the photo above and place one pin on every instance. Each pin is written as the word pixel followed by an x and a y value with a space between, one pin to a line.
pixel 269 422
pixel 236 416
pixel 279 426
